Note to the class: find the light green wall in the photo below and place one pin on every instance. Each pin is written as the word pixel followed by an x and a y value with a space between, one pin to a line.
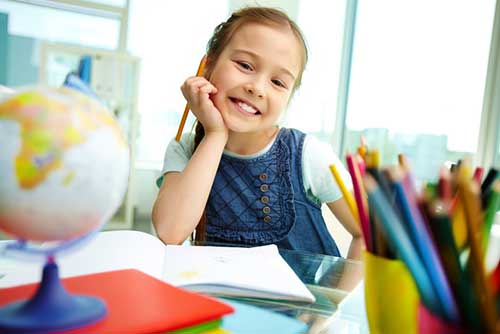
pixel 4 34
pixel 21 69
pixel 17 57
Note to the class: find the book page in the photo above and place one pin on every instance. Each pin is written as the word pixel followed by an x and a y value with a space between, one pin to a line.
pixel 254 272
pixel 113 250
pixel 110 250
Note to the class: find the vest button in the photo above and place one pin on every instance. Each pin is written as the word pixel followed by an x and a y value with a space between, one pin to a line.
pixel 264 199
pixel 267 219
pixel 266 210
pixel 264 188
pixel 263 176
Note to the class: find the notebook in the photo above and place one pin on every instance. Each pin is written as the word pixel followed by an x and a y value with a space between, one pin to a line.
pixel 136 302
pixel 258 272
pixel 243 321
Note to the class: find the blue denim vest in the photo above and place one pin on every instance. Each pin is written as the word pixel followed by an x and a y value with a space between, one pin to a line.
pixel 262 201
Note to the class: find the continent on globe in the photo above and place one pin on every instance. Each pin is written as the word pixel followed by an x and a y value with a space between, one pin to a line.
pixel 64 164
pixel 48 129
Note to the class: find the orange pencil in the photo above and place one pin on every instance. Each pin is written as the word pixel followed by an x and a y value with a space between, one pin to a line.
pixel 362 149
pixel 199 72
pixel 469 192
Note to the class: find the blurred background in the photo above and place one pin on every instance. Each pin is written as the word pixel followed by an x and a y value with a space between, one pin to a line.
pixel 415 77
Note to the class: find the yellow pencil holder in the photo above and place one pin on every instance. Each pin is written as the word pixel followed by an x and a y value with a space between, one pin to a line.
pixel 391 297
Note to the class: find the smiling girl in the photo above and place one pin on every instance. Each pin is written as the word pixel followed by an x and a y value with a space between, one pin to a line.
pixel 241 178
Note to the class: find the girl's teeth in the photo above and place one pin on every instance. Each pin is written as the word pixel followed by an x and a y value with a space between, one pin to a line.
pixel 247 108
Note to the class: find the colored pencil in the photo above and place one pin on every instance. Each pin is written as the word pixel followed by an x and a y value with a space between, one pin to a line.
pixel 491 210
pixel 362 148
pixel 360 197
pixel 424 244
pixel 444 186
pixel 380 245
pixel 402 244
pixel 478 175
pixel 346 193
pixel 488 180
pixel 470 195
pixel 486 185
pixel 199 72
pixel 440 225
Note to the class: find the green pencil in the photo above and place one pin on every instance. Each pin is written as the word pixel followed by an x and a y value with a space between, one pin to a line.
pixel 440 225
pixel 491 210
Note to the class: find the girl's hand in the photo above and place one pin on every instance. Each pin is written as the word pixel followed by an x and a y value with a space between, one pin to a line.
pixel 197 91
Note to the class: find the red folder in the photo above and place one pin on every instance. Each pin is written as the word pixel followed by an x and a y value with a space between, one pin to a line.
pixel 136 302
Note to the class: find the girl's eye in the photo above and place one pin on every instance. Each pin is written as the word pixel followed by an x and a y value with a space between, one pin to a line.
pixel 278 83
pixel 244 65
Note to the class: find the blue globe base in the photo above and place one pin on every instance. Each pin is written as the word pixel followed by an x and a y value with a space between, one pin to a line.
pixel 51 308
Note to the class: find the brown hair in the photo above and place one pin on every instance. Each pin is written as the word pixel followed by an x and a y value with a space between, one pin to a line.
pixel 221 37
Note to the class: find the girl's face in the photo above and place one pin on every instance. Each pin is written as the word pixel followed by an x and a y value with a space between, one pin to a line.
pixel 255 75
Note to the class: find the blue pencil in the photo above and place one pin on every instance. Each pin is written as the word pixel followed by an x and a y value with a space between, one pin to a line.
pixel 425 246
pixel 402 244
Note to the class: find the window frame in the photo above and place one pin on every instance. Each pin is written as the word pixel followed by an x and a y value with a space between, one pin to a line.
pixel 488 149
pixel 92 9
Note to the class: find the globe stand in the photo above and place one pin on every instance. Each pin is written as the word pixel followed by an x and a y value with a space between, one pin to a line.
pixel 51 308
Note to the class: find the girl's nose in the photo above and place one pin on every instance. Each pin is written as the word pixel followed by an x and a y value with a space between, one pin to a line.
pixel 254 89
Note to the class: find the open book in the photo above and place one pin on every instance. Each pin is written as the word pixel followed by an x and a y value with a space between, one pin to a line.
pixel 252 272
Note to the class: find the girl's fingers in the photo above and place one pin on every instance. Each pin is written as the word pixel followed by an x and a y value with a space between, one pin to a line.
pixel 194 82
pixel 192 85
pixel 204 95
pixel 208 89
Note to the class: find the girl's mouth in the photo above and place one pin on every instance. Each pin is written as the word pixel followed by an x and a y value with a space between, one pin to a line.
pixel 245 107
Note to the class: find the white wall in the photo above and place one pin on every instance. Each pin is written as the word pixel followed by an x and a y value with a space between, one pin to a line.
pixel 291 7
pixel 338 232
pixel 146 191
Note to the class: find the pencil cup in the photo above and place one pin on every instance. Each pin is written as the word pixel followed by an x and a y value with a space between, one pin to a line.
pixel 391 296
pixel 428 323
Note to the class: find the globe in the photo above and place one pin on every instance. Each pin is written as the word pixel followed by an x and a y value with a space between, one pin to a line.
pixel 64 165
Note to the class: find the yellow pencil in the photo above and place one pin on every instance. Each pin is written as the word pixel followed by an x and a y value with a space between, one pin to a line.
pixel 347 194
pixel 459 224
pixel 199 72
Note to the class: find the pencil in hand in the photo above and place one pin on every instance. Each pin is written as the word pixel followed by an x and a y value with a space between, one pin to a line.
pixel 199 72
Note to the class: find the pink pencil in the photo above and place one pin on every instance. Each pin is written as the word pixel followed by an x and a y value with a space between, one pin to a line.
pixel 360 197
pixel 478 175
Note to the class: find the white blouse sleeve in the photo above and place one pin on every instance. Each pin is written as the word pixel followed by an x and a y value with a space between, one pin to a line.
pixel 318 179
pixel 177 155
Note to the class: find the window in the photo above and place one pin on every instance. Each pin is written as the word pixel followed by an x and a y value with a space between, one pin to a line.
pixel 170 45
pixel 418 78
pixel 170 38
pixel 313 107
pixel 116 3
pixel 61 26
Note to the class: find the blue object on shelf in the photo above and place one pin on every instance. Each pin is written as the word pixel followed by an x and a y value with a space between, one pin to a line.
pixel 84 69
pixel 51 308
pixel 74 82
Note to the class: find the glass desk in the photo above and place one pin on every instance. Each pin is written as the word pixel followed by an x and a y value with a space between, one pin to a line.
pixel 330 279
